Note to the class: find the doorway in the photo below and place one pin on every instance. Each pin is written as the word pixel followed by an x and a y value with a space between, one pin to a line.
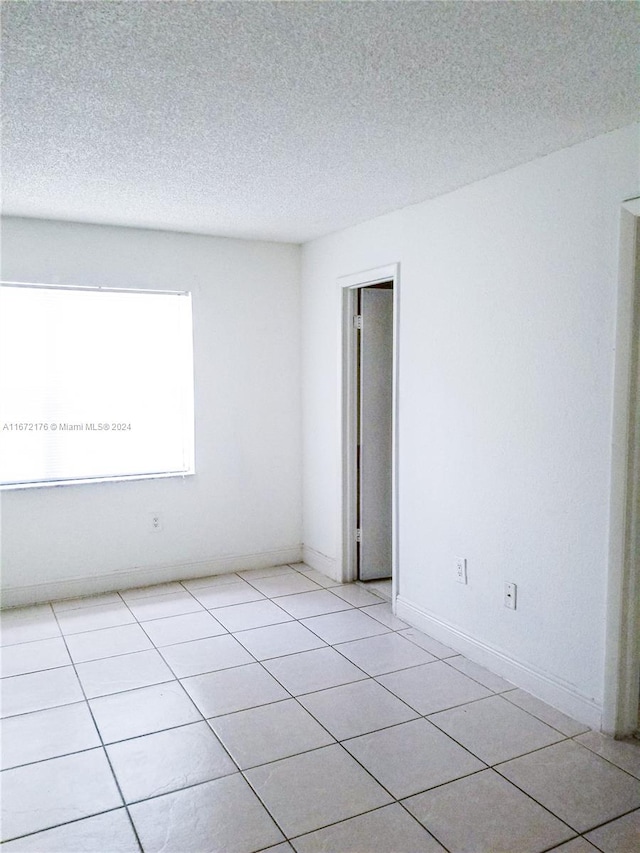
pixel 369 317
pixel 374 439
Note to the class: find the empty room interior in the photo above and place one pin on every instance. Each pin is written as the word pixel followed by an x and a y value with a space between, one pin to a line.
pixel 319 427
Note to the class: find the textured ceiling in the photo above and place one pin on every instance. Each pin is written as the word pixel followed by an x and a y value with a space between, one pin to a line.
pixel 287 120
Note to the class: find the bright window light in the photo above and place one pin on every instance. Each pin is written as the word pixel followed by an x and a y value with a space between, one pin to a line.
pixel 95 384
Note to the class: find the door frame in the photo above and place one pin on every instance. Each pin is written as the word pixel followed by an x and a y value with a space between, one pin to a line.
pixel 622 638
pixel 348 286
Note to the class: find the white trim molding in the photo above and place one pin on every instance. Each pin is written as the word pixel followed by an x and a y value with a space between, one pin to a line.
pixel 320 562
pixel 543 685
pixel 38 593
pixel 622 639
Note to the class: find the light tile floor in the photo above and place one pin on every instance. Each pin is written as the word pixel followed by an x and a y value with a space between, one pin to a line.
pixel 276 710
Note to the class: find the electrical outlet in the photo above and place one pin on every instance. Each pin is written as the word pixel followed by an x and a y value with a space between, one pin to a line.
pixel 510 591
pixel 461 569
pixel 156 521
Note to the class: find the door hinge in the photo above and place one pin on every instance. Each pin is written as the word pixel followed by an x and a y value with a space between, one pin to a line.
pixel 358 535
pixel 357 321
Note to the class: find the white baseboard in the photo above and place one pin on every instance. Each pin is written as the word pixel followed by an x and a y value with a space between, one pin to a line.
pixel 320 562
pixel 38 593
pixel 545 686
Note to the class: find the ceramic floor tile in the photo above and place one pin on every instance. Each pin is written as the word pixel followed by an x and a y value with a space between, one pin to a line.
pixel 578 786
pixel 480 674
pixel 309 791
pixel 483 813
pixel 546 713
pixel 620 836
pixel 224 595
pixel 143 711
pixel 433 687
pixel 40 690
pixel 305 604
pixel 166 761
pixel 47 734
pixel 207 655
pixel 277 640
pixel 25 624
pixel 151 591
pixel 318 577
pixel 384 653
pixel 211 580
pixel 254 614
pixel 382 587
pixel 82 619
pixel 381 831
pixel 34 657
pixel 307 672
pixel 356 595
pixel 39 796
pixel 86 601
pixel 160 606
pixel 125 672
pixel 495 730
pixel 269 572
pixel 110 832
pixel 345 626
pixel 355 709
pixel 284 584
pixel 623 753
pixel 230 690
pixel 383 613
pixel 181 629
pixel 435 648
pixel 368 693
pixel 107 642
pixel 269 732
pixel 412 757
pixel 223 816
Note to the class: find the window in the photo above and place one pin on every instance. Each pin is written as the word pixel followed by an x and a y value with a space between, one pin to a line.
pixel 95 384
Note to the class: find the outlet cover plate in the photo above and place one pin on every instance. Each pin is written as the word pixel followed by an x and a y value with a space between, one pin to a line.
pixel 510 595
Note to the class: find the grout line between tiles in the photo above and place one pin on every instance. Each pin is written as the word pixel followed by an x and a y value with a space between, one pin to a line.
pixel 566 738
pixel 603 757
pixel 354 758
pixel 431 833
pixel 483 770
pixel 466 674
pixel 69 823
pixel 365 676
pixel 496 768
pixel 106 754
pixel 533 714
pixel 108 758
pixel 448 735
pixel 557 846
pixel 336 743
pixel 368 812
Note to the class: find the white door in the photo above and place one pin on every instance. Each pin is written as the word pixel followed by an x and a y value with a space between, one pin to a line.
pixel 375 433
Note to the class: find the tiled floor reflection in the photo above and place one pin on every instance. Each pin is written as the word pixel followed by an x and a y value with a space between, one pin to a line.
pixel 277 710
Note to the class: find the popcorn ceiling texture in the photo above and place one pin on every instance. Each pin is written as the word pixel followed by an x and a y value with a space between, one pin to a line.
pixel 288 120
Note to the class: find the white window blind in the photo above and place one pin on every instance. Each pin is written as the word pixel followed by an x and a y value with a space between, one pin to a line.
pixel 94 384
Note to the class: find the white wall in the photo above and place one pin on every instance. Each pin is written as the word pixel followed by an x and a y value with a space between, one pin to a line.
pixel 242 507
pixel 507 311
